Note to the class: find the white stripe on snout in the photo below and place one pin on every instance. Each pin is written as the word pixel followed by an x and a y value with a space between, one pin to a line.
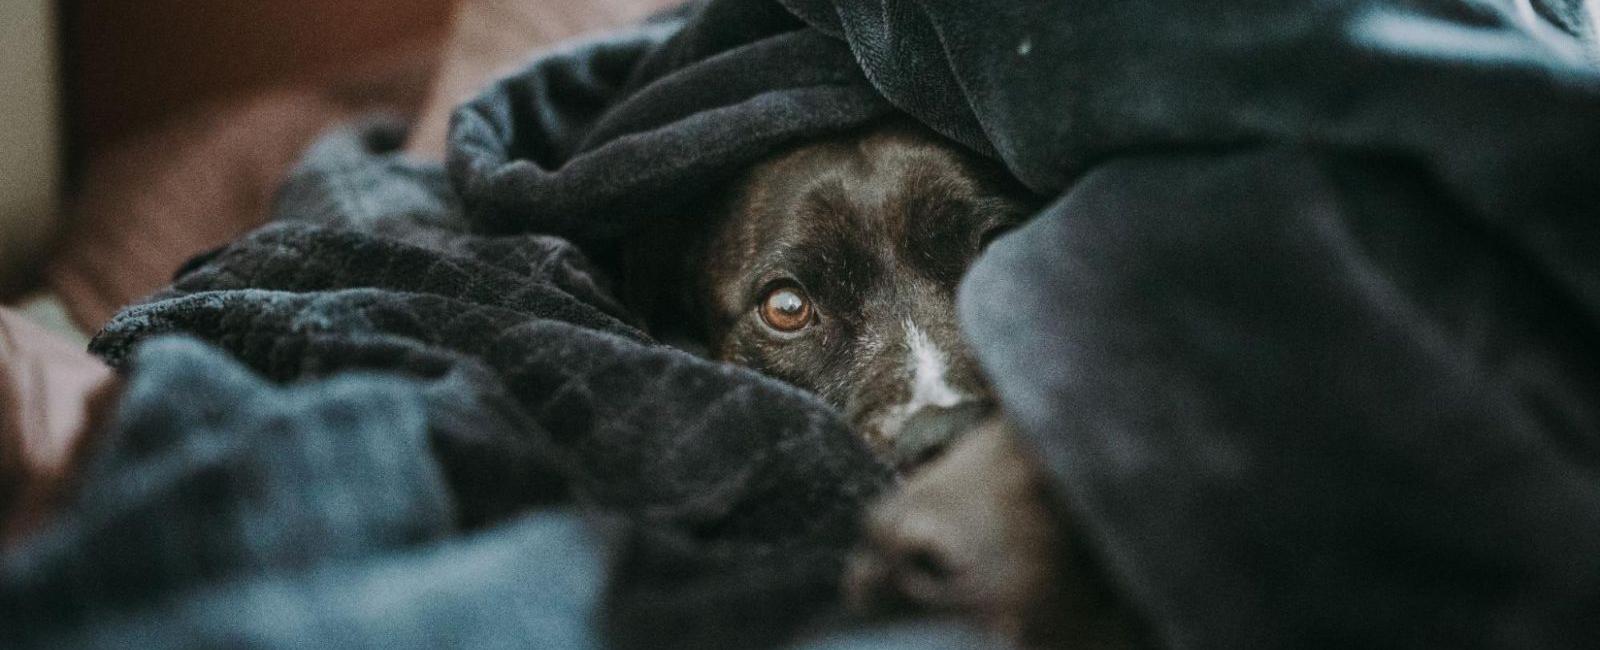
pixel 928 368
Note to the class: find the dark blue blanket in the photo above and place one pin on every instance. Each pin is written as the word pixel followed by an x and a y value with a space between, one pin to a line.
pixel 1308 339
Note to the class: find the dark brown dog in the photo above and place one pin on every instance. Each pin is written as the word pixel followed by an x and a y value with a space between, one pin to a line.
pixel 834 267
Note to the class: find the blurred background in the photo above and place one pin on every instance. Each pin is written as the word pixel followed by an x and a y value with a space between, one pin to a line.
pixel 136 134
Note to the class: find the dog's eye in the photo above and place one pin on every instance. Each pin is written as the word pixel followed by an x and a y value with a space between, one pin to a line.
pixel 786 308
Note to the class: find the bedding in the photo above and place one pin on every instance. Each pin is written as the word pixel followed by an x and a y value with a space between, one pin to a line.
pixel 1307 341
pixel 48 389
pixel 490 38
pixel 142 205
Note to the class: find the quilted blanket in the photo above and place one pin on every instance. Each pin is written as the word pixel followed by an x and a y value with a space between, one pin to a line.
pixel 1307 341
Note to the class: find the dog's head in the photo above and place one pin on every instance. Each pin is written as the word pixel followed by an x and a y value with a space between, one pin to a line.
pixel 835 268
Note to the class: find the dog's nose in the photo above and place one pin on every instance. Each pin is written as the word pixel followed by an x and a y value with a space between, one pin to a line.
pixel 931 430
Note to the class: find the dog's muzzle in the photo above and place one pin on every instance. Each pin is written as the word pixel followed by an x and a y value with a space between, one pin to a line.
pixel 931 430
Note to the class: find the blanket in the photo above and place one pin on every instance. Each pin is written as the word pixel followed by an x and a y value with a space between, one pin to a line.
pixel 1306 341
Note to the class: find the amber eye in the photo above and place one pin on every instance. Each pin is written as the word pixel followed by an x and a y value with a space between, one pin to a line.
pixel 787 308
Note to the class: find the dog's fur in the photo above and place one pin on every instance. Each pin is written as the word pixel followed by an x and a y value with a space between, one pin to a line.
pixel 875 230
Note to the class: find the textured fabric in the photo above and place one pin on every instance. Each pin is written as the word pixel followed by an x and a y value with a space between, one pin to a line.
pixel 511 386
pixel 1307 339
pixel 299 515
pixel 592 141
pixel 1298 403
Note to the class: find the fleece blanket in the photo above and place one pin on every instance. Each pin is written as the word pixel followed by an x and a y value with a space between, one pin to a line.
pixel 1306 340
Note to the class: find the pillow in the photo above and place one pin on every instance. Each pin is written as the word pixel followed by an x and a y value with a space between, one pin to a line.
pixel 47 389
pixel 206 176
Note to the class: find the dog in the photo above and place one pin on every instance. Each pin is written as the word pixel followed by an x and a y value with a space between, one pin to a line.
pixel 834 266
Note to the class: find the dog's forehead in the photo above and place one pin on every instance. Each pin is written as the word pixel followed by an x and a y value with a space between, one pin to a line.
pixel 900 192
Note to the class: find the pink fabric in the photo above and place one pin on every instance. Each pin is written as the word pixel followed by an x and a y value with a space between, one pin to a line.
pixel 47 386
pixel 152 201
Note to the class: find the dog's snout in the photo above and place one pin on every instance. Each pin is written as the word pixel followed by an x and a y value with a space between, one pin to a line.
pixel 928 432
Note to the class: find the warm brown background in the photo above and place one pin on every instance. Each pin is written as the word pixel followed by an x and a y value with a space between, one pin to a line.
pixel 131 63
pixel 182 116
